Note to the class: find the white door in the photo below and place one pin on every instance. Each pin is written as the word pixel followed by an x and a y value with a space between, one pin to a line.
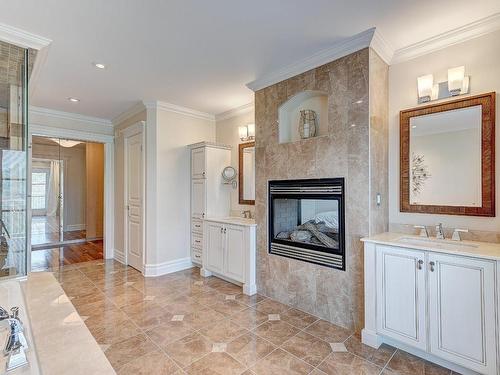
pixel 198 163
pixel 214 252
pixel 401 299
pixel 235 252
pixel 134 201
pixel 198 198
pixel 462 314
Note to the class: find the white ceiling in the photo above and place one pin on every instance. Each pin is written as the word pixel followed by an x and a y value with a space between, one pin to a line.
pixel 200 54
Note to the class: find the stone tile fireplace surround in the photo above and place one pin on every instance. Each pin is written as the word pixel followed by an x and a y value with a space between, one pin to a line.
pixel 355 147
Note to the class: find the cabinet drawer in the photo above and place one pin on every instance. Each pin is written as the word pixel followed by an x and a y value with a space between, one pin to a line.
pixel 196 255
pixel 196 240
pixel 196 225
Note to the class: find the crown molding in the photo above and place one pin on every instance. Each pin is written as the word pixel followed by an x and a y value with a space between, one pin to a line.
pixel 132 111
pixel 383 48
pixel 69 116
pixel 169 107
pixel 22 38
pixel 339 49
pixel 459 35
pixel 241 110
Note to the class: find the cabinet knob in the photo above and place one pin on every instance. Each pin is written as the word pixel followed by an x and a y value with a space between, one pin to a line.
pixel 203 174
pixel 420 264
pixel 432 264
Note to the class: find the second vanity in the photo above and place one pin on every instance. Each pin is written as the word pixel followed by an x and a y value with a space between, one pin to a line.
pixel 229 250
pixel 438 299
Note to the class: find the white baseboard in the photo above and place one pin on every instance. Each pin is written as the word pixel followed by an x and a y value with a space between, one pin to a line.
pixel 119 256
pixel 72 227
pixel 249 289
pixel 152 270
pixel 370 338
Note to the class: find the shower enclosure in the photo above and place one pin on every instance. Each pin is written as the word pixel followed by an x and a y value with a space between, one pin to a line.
pixel 14 73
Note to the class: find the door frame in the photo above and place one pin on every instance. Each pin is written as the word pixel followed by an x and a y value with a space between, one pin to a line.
pixel 137 128
pixel 109 177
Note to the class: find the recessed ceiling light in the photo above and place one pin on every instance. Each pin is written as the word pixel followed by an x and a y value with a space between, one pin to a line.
pixel 359 101
pixel 414 126
pixel 353 125
pixel 99 65
pixel 74 100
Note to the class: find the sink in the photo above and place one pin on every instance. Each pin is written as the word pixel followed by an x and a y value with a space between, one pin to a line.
pixel 436 243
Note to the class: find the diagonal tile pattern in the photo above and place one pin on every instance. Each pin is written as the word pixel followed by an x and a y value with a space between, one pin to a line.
pixel 137 321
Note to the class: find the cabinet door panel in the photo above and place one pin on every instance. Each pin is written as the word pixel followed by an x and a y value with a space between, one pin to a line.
pixel 198 163
pixel 214 258
pixel 401 300
pixel 235 252
pixel 462 314
pixel 198 192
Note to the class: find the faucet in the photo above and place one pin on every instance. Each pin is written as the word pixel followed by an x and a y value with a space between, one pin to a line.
pixel 16 344
pixel 247 214
pixel 439 231
pixel 423 230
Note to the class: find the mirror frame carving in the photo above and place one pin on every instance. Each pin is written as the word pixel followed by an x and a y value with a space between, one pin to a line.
pixel 487 208
pixel 242 146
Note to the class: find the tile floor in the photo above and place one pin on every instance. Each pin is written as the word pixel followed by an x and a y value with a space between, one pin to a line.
pixel 182 323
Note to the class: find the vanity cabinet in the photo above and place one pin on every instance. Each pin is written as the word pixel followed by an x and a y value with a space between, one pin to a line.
pixel 229 252
pixel 209 196
pixel 440 306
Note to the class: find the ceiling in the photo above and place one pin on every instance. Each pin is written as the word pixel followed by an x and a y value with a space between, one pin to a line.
pixel 200 54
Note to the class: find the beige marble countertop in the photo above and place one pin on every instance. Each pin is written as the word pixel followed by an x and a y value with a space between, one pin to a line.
pixel 475 249
pixel 233 220
pixel 63 343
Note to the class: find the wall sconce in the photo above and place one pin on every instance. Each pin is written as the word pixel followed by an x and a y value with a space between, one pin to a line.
pixel 457 84
pixel 247 132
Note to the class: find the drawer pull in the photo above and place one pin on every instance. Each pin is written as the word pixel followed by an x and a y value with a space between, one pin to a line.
pixel 432 264
pixel 420 263
pixel 197 226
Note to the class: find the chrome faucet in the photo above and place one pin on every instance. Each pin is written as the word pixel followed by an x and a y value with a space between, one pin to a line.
pixel 439 231
pixel 423 230
pixel 247 214
pixel 16 344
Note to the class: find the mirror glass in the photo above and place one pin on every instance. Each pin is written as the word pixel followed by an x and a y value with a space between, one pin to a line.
pixel 228 173
pixel 247 173
pixel 445 153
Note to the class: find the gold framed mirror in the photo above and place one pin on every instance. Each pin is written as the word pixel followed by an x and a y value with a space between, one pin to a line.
pixel 246 176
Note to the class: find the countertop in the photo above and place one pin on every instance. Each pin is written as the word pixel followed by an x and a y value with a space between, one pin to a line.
pixel 63 343
pixel 233 220
pixel 475 249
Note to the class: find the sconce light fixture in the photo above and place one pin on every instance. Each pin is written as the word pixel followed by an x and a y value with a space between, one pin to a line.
pixel 247 132
pixel 457 84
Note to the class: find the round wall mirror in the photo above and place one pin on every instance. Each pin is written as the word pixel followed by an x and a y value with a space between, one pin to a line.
pixel 229 174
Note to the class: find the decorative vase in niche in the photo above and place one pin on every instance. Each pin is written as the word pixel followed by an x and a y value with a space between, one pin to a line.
pixel 307 123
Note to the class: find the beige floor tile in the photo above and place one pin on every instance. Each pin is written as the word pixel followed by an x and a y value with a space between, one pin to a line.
pixel 203 318
pixel 148 364
pixel 403 363
pixel 223 331
pixel 189 349
pixel 123 352
pixel 281 363
pixel 183 305
pixel 114 332
pixel 276 332
pixel 298 318
pixel 169 332
pixel 229 307
pixel 347 364
pixel 270 306
pixel 249 318
pixel 249 348
pixel 308 348
pixel 124 297
pixel 209 298
pixel 215 364
pixel 379 356
pixel 328 332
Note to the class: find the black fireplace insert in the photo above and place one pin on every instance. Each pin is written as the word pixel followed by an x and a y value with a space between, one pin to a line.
pixel 307 220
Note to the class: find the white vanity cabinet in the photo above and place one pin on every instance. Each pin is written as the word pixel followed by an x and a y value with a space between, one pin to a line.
pixel 229 251
pixel 439 304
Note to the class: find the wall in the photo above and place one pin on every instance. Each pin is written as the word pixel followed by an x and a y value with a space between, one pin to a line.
pixel 74 179
pixel 355 149
pixel 227 133
pixel 95 190
pixel 480 57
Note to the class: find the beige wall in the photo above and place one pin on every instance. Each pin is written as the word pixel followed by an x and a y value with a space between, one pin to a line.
pixel 95 190
pixel 481 58
pixel 227 133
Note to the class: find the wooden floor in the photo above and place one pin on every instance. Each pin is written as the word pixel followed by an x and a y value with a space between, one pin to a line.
pixel 52 259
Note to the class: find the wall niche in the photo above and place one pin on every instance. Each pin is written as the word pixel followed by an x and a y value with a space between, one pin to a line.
pixel 289 114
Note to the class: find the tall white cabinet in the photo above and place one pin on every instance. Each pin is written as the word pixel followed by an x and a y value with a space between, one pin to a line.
pixel 209 196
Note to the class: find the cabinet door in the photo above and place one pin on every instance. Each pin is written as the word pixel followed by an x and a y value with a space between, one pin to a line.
pixel 198 164
pixel 235 252
pixel 462 311
pixel 401 295
pixel 214 247
pixel 198 193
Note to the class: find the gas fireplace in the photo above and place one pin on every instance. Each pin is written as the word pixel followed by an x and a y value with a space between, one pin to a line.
pixel 307 220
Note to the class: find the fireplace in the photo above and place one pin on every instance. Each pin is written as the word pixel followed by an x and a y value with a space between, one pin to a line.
pixel 307 220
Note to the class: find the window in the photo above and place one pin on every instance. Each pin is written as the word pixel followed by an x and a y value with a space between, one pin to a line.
pixel 39 190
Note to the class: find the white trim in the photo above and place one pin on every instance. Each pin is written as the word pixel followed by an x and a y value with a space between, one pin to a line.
pixel 448 38
pixel 151 270
pixel 132 111
pixel 22 38
pixel 179 109
pixel 383 48
pixel 241 110
pixel 49 131
pixel 72 227
pixel 40 59
pixel 339 49
pixel 69 116
pixel 119 256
